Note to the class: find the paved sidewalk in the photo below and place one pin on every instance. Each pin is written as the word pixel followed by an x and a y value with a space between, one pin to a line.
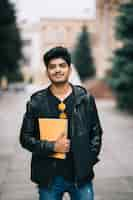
pixel 114 174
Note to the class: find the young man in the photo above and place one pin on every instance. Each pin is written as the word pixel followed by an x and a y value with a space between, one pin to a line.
pixel 61 99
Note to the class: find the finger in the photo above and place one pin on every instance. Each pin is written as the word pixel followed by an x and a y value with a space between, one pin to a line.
pixel 64 136
pixel 67 145
pixel 68 142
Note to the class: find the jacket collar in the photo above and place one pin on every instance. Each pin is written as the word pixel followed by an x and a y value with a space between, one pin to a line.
pixel 79 93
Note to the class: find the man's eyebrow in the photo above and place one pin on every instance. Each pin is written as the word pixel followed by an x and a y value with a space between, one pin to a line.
pixel 62 63
pixel 52 64
pixel 58 64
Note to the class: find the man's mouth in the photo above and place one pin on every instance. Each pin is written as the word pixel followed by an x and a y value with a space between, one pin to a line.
pixel 58 75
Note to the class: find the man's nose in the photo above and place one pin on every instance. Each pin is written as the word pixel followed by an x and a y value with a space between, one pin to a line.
pixel 57 68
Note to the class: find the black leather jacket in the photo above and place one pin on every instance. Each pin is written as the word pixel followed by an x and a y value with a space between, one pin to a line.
pixel 85 140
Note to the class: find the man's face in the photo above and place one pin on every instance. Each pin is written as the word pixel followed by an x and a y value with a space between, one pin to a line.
pixel 58 71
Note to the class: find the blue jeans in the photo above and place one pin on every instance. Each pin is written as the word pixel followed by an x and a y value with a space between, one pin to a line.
pixel 59 186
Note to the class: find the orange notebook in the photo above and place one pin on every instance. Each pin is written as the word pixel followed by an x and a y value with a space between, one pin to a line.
pixel 51 129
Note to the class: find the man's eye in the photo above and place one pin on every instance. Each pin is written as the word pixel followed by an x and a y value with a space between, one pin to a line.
pixel 63 65
pixel 51 66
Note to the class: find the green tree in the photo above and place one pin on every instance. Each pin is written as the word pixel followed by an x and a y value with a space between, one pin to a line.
pixel 82 56
pixel 121 76
pixel 10 42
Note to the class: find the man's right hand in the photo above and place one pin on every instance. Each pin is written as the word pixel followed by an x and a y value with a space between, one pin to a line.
pixel 62 144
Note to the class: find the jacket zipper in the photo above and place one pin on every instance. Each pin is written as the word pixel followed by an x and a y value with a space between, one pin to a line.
pixel 75 179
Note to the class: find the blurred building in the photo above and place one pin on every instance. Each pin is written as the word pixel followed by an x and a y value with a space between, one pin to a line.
pixel 50 32
pixel 40 37
pixel 106 43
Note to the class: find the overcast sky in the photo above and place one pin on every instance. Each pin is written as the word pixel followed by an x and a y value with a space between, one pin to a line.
pixel 34 9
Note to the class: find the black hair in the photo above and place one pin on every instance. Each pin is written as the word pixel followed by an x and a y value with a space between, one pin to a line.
pixel 57 52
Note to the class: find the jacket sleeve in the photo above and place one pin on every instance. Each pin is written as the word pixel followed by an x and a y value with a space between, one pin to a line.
pixel 95 131
pixel 27 134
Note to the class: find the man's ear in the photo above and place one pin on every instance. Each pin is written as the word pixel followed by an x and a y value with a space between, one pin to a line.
pixel 70 69
pixel 46 72
pixel 46 69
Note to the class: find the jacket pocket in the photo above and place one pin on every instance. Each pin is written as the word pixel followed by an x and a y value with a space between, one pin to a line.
pixel 41 168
